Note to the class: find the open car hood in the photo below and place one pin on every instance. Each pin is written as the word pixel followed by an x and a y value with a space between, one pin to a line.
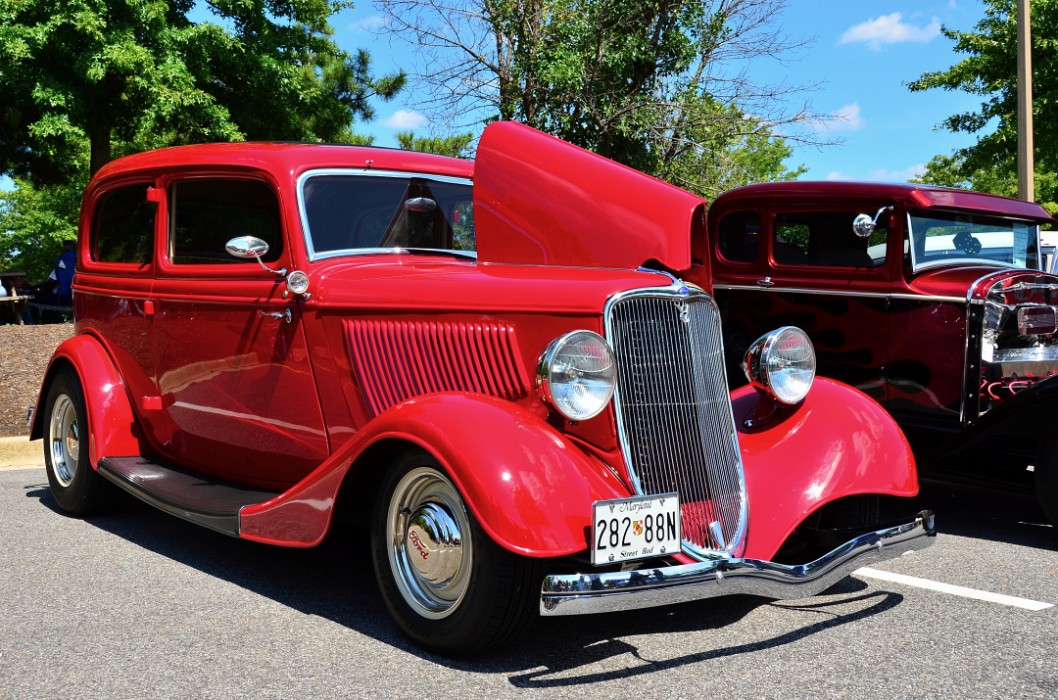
pixel 540 200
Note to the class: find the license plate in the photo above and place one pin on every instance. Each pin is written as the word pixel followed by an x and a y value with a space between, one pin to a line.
pixel 635 528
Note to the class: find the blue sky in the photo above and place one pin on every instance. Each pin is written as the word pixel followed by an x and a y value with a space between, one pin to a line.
pixel 862 55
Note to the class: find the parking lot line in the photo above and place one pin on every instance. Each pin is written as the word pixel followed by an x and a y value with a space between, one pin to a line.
pixel 1024 603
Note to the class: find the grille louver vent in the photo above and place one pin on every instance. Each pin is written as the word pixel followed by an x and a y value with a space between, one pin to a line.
pixel 396 361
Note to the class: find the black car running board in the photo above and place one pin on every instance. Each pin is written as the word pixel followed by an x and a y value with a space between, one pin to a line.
pixel 204 501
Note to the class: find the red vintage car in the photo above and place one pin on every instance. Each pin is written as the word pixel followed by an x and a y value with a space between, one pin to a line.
pixel 496 364
pixel 932 301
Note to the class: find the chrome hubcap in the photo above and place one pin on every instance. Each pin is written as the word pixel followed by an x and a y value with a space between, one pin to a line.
pixel 430 551
pixel 65 440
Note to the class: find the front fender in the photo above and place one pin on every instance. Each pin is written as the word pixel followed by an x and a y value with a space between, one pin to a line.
pixel 112 426
pixel 836 443
pixel 529 487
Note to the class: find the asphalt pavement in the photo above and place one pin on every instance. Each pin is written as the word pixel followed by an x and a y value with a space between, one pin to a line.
pixel 139 604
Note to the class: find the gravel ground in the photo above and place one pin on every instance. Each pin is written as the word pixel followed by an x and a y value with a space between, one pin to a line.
pixel 24 355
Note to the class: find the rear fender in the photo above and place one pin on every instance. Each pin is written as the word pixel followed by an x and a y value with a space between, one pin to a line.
pixel 837 443
pixel 112 426
pixel 529 487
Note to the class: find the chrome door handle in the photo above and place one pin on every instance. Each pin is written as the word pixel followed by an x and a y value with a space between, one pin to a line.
pixel 284 315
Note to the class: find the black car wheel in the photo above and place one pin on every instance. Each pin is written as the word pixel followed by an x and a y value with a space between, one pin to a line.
pixel 78 489
pixel 450 588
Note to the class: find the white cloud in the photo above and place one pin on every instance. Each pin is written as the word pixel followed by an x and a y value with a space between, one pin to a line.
pixel 846 118
pixel 405 119
pixel 889 29
pixel 369 24
pixel 837 175
pixel 886 175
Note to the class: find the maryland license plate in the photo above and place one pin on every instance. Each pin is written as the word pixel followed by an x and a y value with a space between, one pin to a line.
pixel 635 528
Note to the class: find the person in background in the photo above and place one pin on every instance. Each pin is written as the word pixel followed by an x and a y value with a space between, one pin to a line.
pixel 57 290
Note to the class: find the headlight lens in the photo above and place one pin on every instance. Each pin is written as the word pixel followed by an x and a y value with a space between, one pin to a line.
pixel 783 363
pixel 576 374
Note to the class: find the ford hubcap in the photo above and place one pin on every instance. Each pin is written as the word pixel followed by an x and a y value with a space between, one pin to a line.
pixel 430 551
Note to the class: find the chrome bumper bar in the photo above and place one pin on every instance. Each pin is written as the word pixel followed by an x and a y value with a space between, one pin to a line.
pixel 580 594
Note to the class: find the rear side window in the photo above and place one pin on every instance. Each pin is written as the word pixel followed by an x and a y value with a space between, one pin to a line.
pixel 123 229
pixel 740 236
pixel 205 214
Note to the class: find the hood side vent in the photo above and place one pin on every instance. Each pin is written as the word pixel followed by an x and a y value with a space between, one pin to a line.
pixel 397 360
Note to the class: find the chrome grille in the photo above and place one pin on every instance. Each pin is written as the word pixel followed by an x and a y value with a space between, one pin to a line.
pixel 674 410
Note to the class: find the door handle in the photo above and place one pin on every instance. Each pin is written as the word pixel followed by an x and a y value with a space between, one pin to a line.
pixel 284 315
pixel 765 282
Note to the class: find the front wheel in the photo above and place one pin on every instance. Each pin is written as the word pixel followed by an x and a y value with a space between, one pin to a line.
pixel 78 489
pixel 450 588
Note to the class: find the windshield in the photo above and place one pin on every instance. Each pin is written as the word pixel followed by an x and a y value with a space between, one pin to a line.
pixel 944 239
pixel 345 213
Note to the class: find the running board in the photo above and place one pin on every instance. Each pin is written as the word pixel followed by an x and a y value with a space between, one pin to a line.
pixel 208 502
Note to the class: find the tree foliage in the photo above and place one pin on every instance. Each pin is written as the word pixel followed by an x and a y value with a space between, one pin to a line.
pixel 989 70
pixel 87 80
pixel 34 222
pixel 92 74
pixel 660 85
pixel 454 146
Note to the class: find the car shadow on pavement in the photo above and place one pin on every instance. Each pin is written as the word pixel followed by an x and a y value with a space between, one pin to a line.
pixel 576 661
pixel 335 581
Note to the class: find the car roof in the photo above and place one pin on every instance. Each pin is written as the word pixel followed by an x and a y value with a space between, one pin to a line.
pixel 912 196
pixel 285 159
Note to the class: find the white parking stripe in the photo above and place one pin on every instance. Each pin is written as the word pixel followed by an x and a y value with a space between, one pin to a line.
pixel 867 572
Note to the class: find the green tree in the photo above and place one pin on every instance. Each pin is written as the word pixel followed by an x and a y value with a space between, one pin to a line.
pixel 989 70
pixel 656 85
pixel 33 224
pixel 454 146
pixel 140 74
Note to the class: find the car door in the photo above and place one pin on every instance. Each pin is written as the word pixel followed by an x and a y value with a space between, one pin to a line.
pixel 804 266
pixel 237 395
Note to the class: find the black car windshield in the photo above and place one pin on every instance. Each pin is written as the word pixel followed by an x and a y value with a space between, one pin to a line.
pixel 945 238
pixel 346 213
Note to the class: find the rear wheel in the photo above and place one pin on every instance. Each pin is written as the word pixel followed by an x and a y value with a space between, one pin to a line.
pixel 450 588
pixel 78 489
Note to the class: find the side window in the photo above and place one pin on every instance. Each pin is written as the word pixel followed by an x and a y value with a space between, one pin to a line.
pixel 739 236
pixel 827 239
pixel 123 229
pixel 205 214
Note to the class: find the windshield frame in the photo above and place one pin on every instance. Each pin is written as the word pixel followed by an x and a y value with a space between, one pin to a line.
pixel 314 255
pixel 997 224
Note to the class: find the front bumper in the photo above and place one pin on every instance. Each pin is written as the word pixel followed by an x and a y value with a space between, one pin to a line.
pixel 580 594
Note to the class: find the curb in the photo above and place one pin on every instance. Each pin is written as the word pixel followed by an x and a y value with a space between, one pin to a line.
pixel 19 453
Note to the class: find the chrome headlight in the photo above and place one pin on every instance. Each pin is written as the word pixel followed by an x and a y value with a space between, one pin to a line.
pixel 576 374
pixel 782 363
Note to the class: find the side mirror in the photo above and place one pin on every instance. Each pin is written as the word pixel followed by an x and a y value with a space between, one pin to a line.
pixel 251 248
pixel 864 225
pixel 246 248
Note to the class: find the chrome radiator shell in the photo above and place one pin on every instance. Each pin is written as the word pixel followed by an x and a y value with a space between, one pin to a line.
pixel 673 411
